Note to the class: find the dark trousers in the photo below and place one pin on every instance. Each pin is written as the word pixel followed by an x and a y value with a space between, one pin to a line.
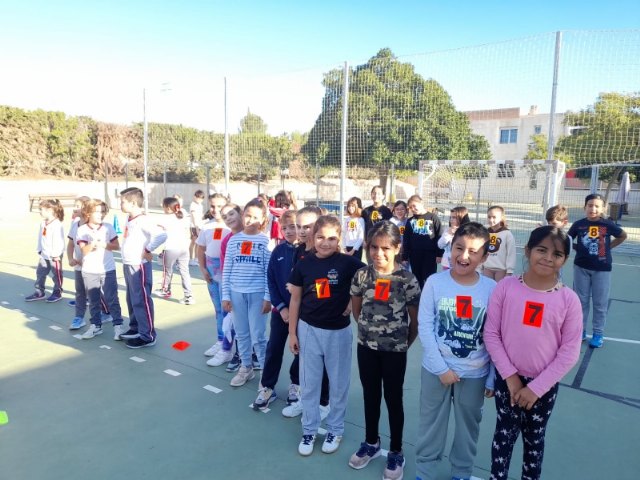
pixel 377 370
pixel 278 334
pixel 137 278
pixel 46 267
pixel 423 265
pixel 510 422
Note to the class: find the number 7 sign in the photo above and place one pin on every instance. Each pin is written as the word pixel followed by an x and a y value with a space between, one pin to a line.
pixel 533 313
pixel 464 306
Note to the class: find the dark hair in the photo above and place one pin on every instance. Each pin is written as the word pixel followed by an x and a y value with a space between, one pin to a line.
pixel 557 213
pixel 398 203
pixel 385 229
pixel 310 209
pixel 358 202
pixel 376 187
pixel 327 220
pixel 257 203
pixel 173 204
pixel 199 194
pixel 133 194
pixel 282 199
pixel 461 213
pixel 594 196
pixel 473 230
pixel 55 205
pixel 556 234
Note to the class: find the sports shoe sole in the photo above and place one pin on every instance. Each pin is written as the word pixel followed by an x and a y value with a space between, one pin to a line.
pixel 150 344
pixel 34 299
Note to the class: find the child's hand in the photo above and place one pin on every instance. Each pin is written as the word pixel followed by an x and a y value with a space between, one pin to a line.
pixel 226 305
pixel 266 306
pixel 55 259
pixel 438 259
pixel 288 287
pixel 514 384
pixel 148 256
pixel 526 398
pixel 488 393
pixel 449 378
pixel 73 262
pixel 284 313
pixel 293 344
pixel 350 252
pixel 206 276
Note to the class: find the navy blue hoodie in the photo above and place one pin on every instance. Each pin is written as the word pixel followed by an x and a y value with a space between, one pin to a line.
pixel 278 272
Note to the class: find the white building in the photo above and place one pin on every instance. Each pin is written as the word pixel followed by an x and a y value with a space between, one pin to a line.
pixel 509 133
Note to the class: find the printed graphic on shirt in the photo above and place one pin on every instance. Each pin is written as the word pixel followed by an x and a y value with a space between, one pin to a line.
pixel 594 240
pixel 421 226
pixel 352 225
pixel 249 252
pixel 401 230
pixel 375 216
pixel 494 243
pixel 462 335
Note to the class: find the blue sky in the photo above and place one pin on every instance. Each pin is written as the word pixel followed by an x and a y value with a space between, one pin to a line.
pixel 94 58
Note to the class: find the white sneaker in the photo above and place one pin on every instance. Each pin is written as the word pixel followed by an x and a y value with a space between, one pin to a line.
pixel 305 448
pixel 324 411
pixel 117 331
pixel 215 348
pixel 292 410
pixel 92 331
pixel 221 356
pixel 243 376
pixel 331 443
pixel 187 301
pixel 193 262
pixel 294 393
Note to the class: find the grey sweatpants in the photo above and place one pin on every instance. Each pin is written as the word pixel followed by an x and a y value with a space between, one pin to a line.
pixel 467 397
pixel 330 349
pixel 169 259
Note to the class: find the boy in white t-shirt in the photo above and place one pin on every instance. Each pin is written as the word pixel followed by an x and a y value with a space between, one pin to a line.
pixel 196 214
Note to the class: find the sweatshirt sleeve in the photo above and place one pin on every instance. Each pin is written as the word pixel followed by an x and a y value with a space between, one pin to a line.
pixel 444 240
pixel 272 278
pixel 427 316
pixel 57 242
pixel 360 232
pixel 511 253
pixel 226 272
pixel 569 350
pixel 406 241
pixel 492 333
pixel 266 259
pixel 157 236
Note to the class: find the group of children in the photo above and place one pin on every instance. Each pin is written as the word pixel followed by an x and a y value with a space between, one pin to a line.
pixel 484 331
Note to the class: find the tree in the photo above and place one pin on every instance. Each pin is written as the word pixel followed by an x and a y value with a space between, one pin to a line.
pixel 395 117
pixel 252 124
pixel 609 134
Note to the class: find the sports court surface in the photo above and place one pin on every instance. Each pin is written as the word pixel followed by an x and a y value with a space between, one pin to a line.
pixel 80 409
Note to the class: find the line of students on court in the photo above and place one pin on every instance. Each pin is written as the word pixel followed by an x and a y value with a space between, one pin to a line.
pixel 532 331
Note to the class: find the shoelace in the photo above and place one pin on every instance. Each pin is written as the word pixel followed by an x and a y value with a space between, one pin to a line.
pixel 366 449
pixel 307 439
pixel 330 438
pixel 394 461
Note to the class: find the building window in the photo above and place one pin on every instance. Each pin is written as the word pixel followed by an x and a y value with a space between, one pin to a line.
pixel 506 170
pixel 537 129
pixel 508 135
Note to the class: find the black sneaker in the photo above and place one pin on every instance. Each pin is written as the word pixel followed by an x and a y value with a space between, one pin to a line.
pixel 234 364
pixel 129 334
pixel 139 343
pixel 256 363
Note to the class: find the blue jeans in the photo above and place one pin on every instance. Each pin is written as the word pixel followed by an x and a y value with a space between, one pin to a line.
pixel 215 292
pixel 592 285
pixel 250 325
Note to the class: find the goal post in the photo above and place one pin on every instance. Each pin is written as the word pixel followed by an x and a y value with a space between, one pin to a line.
pixel 517 185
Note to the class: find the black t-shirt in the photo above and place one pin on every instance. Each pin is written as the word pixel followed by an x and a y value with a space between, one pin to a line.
pixel 372 215
pixel 325 286
pixel 301 252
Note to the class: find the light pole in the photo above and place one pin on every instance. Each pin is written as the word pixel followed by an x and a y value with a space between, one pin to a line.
pixel 145 136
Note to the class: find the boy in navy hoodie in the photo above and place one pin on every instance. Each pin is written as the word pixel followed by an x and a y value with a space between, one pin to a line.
pixel 278 272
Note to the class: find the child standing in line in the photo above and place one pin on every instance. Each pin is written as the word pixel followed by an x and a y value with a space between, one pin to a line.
pixel 176 250
pixel 74 257
pixel 384 299
pixel 209 257
pixel 320 331
pixel 557 216
pixel 97 240
pixel 592 264
pixel 50 251
pixel 141 237
pixel 459 216
pixel 420 243
pixel 502 246
pixel 399 218
pixel 278 273
pixel 282 203
pixel 245 289
pixel 305 223
pixel 533 336
pixel 196 215
pixel 455 363
pixel 353 229
pixel 232 218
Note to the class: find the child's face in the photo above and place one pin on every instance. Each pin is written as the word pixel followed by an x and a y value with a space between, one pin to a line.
pixel 351 208
pixel 126 206
pixel 198 199
pixel 494 217
pixel 399 211
pixel 546 259
pixel 416 207
pixel 558 223
pixel 594 209
pixel 96 217
pixel 252 218
pixel 377 196
pixel 46 213
pixel 232 219
pixel 304 225
pixel 288 227
pixel 215 207
pixel 467 254
pixel 383 253
pixel 453 222
pixel 326 241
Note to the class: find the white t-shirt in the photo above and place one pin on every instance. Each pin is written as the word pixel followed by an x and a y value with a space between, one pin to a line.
pixel 177 230
pixel 211 236
pixel 196 213
pixel 100 260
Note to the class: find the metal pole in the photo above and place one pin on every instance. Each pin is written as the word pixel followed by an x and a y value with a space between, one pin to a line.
pixel 317 182
pixel 145 148
pixel 552 121
pixel 226 141
pixel 343 146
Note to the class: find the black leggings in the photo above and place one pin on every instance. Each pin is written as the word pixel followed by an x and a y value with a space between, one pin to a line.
pixel 378 369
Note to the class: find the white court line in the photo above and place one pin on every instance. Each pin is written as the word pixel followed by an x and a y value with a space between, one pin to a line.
pixel 17 310
pixel 55 327
pixel 106 347
pixel 137 359
pixel 78 336
pixel 173 373
pixel 211 388
pixel 33 319
pixel 263 410
pixel 622 340
pixel 4 302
